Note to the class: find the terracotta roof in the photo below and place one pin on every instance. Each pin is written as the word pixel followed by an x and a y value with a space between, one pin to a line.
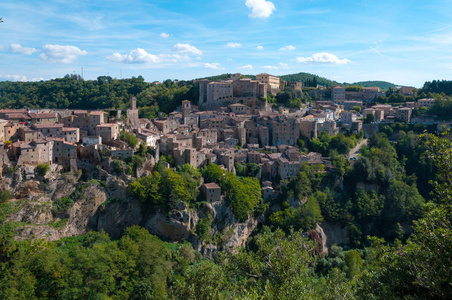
pixel 42 115
pixel 11 111
pixel 96 113
pixel 80 112
pixel 211 186
pixel 41 126
pixel 18 116
pixel 70 129
pixel 106 125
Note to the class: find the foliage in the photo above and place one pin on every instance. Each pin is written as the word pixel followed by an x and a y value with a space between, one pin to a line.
pixel 354 88
pixel 43 169
pixel 203 228
pixel 325 144
pixel 242 193
pixel 129 138
pixel 106 92
pixel 61 205
pixel 165 188
pixel 304 77
pixel 437 86
pixel 5 195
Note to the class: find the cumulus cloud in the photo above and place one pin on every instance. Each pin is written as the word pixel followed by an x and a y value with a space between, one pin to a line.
pixel 246 67
pixel 18 78
pixel 188 49
pixel 259 48
pixel 322 58
pixel 260 8
pixel 141 56
pixel 61 54
pixel 213 66
pixel 16 48
pixel 137 56
pixel 164 35
pixel 233 45
pixel 271 67
pixel 284 66
pixel 287 48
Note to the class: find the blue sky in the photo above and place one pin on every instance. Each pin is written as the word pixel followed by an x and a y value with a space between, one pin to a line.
pixel 403 41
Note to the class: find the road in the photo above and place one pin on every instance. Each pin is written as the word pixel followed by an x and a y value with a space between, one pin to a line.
pixel 355 150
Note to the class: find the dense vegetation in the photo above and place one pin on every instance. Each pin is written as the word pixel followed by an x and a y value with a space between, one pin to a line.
pixel 104 93
pixel 383 85
pixel 438 87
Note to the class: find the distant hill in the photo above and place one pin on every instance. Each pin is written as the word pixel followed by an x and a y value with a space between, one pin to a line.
pixel 303 77
pixel 384 85
pixel 224 77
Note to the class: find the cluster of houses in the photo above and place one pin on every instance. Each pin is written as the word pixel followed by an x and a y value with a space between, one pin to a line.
pixel 231 124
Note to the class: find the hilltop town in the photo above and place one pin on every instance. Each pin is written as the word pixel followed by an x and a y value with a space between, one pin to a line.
pixel 231 123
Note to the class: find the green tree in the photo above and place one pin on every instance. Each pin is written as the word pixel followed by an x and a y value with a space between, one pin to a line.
pixel 43 169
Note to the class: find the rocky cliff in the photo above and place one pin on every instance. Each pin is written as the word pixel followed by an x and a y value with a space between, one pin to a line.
pixel 61 205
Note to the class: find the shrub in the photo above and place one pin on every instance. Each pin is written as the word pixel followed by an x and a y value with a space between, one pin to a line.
pixel 43 169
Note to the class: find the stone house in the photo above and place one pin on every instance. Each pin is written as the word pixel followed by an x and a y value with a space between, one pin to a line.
pixel 71 134
pixel 212 192
pixel 43 118
pixel 108 131
pixel 49 130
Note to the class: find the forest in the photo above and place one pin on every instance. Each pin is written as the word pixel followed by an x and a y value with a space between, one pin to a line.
pixel 73 92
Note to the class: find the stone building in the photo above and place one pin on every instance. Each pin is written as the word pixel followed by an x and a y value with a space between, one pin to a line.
pixel 272 82
pixel 43 118
pixel 404 114
pixel 212 192
pixel 71 134
pixel 338 94
pixel 108 131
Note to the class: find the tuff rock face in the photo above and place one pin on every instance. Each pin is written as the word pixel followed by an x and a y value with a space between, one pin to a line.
pixel 107 206
pixel 38 212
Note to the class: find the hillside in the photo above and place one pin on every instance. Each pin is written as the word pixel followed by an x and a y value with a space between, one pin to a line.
pixel 305 76
pixel 384 85
pixel 302 76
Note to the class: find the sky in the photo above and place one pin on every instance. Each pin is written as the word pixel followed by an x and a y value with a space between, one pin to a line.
pixel 406 42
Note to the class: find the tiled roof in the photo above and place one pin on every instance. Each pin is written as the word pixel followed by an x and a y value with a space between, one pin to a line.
pixel 211 186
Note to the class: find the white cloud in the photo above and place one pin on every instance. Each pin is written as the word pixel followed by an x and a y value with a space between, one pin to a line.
pixel 229 59
pixel 246 67
pixel 233 45
pixel 18 78
pixel 260 8
pixel 322 58
pixel 271 67
pixel 141 56
pixel 137 56
pixel 287 48
pixel 16 48
pixel 61 54
pixel 186 48
pixel 259 48
pixel 164 35
pixel 284 66
pixel 213 66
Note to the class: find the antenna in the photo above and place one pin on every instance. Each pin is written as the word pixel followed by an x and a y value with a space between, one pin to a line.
pixel 82 72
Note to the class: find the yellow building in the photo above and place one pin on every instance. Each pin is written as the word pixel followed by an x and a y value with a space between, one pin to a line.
pixel 271 81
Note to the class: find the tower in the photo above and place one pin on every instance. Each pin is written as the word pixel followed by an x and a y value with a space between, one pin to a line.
pixel 186 109
pixel 133 103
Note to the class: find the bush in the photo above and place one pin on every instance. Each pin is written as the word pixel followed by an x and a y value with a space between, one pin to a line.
pixel 43 169
pixel 5 196
pixel 62 204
